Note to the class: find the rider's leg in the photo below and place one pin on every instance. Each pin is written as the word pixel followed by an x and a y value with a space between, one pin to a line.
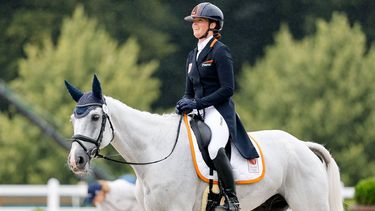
pixel 219 129
pixel 220 135
pixel 224 170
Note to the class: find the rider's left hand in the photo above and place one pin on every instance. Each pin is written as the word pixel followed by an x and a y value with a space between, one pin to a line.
pixel 187 105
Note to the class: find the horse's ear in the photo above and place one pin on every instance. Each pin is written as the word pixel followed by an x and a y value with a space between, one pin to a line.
pixel 74 92
pixel 96 88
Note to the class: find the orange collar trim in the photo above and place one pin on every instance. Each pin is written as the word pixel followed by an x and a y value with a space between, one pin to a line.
pixel 213 43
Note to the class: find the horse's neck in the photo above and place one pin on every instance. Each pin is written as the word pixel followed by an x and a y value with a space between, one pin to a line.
pixel 141 136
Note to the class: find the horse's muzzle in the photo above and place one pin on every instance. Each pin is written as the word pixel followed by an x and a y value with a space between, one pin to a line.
pixel 78 160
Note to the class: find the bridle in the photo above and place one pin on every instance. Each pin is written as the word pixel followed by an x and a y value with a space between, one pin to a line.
pixel 94 152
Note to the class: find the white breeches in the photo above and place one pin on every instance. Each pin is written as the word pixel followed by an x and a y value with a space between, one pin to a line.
pixel 219 130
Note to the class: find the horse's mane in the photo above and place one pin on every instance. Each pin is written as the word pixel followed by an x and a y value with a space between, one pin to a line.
pixel 152 126
pixel 164 116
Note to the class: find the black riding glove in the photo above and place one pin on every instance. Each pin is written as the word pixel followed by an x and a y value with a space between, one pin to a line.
pixel 187 105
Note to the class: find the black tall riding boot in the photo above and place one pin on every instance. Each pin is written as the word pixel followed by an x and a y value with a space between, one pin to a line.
pixel 225 174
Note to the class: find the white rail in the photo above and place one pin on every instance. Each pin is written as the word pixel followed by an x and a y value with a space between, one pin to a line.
pixel 34 209
pixel 348 192
pixel 53 191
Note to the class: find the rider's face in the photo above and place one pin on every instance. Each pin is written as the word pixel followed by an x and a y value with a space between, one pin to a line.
pixel 200 27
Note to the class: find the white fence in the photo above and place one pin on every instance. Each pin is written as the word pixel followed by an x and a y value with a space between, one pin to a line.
pixel 53 191
pixel 348 192
pixel 46 209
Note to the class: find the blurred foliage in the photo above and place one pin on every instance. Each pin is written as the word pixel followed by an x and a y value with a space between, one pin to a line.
pixel 365 191
pixel 318 89
pixel 161 32
pixel 82 50
pixel 348 203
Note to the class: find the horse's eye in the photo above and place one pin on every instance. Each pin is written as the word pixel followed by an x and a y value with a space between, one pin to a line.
pixel 95 117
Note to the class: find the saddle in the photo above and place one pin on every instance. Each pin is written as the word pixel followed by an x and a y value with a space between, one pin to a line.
pixel 203 135
pixel 245 171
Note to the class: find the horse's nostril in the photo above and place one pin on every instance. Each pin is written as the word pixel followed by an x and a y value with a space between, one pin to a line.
pixel 81 160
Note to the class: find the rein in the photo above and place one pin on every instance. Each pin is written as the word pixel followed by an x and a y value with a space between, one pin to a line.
pixel 94 153
pixel 151 162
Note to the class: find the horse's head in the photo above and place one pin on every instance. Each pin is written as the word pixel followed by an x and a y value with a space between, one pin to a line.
pixel 92 126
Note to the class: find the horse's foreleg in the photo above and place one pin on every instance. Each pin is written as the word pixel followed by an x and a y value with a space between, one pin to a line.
pixel 139 195
pixel 168 197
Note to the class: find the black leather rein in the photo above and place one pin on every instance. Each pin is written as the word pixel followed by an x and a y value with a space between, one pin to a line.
pixel 94 153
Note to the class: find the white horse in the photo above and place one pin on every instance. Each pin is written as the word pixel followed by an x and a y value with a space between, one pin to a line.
pixel 304 173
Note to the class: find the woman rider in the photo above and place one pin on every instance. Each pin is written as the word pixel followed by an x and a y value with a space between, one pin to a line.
pixel 208 91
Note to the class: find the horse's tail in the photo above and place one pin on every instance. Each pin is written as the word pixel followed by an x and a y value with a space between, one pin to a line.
pixel 334 183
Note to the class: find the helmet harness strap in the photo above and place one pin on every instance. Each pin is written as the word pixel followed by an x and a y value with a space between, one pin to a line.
pixel 209 29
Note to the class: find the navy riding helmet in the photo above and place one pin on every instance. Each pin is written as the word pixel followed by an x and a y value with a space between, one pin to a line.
pixel 209 11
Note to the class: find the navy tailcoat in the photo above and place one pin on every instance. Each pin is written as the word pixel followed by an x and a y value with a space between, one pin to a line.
pixel 210 81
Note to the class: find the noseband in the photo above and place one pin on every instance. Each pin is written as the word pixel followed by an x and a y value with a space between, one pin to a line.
pixel 93 153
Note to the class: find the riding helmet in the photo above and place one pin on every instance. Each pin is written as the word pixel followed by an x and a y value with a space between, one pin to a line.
pixel 209 11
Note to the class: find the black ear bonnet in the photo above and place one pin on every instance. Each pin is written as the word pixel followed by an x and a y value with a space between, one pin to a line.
pixel 86 101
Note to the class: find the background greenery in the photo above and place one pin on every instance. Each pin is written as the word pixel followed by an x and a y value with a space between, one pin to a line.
pixel 303 66
pixel 365 192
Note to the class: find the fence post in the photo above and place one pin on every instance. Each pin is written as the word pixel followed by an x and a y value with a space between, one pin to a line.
pixel 53 198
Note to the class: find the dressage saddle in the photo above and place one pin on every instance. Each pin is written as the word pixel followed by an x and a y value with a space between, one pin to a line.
pixel 203 135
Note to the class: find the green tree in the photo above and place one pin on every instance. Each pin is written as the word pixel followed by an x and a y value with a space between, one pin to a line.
pixel 23 22
pixel 82 50
pixel 161 32
pixel 318 89
pixel 148 20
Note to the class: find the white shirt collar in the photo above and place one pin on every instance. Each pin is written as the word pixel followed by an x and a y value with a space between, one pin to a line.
pixel 203 44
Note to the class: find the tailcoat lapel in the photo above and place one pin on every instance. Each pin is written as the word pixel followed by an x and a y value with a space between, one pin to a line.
pixel 205 51
pixel 195 64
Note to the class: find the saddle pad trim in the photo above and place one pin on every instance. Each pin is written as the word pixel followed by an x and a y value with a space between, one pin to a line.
pixel 242 182
pixel 203 178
